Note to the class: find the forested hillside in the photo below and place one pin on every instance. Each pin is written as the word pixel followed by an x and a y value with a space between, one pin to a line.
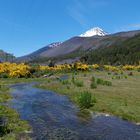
pixel 126 52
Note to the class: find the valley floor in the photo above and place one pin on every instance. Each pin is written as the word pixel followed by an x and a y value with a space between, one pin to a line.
pixel 121 99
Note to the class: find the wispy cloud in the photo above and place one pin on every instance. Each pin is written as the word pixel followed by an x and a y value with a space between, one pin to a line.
pixel 80 9
pixel 135 26
pixel 77 12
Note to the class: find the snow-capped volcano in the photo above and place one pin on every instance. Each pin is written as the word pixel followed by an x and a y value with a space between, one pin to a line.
pixel 94 32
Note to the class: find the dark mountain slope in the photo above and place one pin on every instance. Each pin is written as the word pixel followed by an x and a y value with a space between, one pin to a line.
pixel 38 53
pixel 125 52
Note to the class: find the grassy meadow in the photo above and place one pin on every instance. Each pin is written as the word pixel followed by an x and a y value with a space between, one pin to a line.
pixel 120 98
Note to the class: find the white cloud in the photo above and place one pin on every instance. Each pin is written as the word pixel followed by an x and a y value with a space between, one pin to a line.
pixel 80 9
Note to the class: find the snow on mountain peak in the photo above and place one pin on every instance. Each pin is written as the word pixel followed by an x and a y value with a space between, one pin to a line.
pixel 94 32
pixel 54 45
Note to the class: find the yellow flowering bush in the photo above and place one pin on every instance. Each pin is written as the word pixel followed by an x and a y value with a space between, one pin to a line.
pixel 129 67
pixel 80 66
pixel 111 68
pixel 22 70
pixel 138 67
pixel 44 67
pixel 95 66
pixel 14 70
pixel 56 67
pixel 59 67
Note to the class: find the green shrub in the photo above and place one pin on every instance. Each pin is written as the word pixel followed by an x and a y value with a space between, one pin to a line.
pixel 125 77
pixel 107 83
pixel 4 130
pixel 116 73
pixel 85 75
pixel 118 77
pixel 104 82
pixel 4 75
pixel 127 116
pixel 109 73
pixel 93 79
pixel 76 73
pixel 93 85
pixel 86 100
pixel 100 81
pixel 125 102
pixel 68 87
pixel 65 82
pixel 73 79
pixel 79 83
pixel 122 73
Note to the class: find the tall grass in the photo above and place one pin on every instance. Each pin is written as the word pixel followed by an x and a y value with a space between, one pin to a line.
pixel 65 82
pixel 73 79
pixel 93 79
pixel 86 100
pixel 93 84
pixel 77 82
pixel 104 82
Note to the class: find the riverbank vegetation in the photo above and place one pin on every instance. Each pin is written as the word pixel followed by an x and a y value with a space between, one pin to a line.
pixel 10 124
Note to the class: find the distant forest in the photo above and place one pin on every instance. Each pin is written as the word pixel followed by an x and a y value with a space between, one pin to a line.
pixel 127 52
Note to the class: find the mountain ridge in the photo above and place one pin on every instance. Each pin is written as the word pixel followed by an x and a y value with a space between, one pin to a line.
pixel 77 46
pixel 4 56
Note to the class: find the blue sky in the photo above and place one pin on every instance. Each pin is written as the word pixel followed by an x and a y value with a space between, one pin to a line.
pixel 27 25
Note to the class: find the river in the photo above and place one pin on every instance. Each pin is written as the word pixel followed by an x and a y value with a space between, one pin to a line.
pixel 53 117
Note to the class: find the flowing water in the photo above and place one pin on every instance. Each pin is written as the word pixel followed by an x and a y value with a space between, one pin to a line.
pixel 54 117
